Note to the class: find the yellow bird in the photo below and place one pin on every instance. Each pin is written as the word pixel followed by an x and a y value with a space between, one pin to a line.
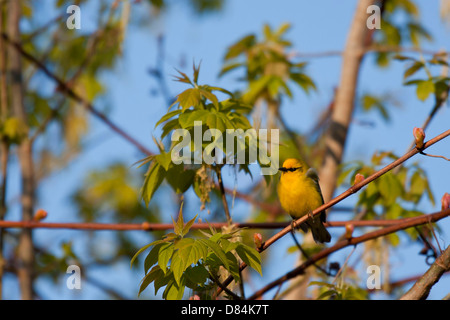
pixel 299 193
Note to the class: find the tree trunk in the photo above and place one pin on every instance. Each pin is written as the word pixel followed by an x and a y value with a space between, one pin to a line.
pixel 345 99
pixel 25 249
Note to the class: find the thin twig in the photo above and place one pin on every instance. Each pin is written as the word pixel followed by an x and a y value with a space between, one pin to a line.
pixel 214 278
pixel 434 156
pixel 223 195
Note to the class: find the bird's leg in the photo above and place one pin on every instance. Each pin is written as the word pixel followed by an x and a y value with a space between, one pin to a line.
pixel 311 216
pixel 292 226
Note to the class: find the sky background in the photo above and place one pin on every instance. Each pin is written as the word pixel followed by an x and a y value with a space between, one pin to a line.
pixel 317 26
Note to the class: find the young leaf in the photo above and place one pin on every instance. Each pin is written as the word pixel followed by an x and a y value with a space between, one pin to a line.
pixel 250 256
pixel 178 226
pixel 154 274
pixel 153 179
pixel 217 250
pixel 416 66
pixel 143 249
pixel 188 225
pixel 424 89
pixel 189 98
pixel 165 253
pixel 177 266
pixel 152 257
pixel 174 291
pixel 168 116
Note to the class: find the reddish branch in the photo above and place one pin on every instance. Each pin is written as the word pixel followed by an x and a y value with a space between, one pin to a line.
pixel 168 226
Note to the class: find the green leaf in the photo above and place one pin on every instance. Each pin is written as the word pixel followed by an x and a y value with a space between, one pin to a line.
pixel 390 188
pixel 167 116
pixel 189 252
pixel 240 47
pixel 152 257
pixel 174 291
pixel 153 179
pixel 184 78
pixel 250 256
pixel 189 98
pixel 303 81
pixel 154 274
pixel 196 72
pixel 197 275
pixel 177 266
pixel 256 88
pixel 162 279
pixel 143 249
pixel 416 66
pixel 229 67
pixel 215 121
pixel 169 126
pixel 165 253
pixel 179 178
pixel 188 118
pixel 424 89
pixel 188 225
pixel 326 294
pixel 217 250
pixel 210 96
pixel 164 159
pixel 178 226
pixel 394 239
pixel 228 245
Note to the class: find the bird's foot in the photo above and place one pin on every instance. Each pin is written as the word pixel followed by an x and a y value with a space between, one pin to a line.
pixel 311 216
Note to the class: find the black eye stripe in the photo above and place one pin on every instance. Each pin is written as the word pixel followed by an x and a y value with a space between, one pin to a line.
pixel 289 169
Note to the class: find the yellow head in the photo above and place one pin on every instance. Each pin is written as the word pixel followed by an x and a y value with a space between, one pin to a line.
pixel 293 165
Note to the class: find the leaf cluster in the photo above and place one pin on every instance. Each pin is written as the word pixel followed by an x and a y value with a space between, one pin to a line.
pixel 198 111
pixel 268 66
pixel 178 262
pixel 437 85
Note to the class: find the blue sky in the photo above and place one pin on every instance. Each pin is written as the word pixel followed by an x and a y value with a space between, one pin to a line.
pixel 317 26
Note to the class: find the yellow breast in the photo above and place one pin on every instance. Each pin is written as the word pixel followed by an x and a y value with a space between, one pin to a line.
pixel 298 194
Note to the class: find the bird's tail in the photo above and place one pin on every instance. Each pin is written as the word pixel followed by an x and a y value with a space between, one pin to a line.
pixel 318 230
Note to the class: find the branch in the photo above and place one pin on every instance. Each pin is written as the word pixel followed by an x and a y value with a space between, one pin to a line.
pixel 422 287
pixel 145 226
pixel 354 241
pixel 223 195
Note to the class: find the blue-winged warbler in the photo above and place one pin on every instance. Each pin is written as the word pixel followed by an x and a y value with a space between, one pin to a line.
pixel 299 193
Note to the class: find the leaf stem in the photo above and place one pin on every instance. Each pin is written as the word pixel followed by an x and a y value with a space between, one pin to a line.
pixel 223 194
